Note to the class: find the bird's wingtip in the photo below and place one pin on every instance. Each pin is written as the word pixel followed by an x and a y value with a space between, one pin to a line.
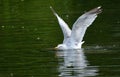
pixel 50 7
pixel 96 10
pixel 53 11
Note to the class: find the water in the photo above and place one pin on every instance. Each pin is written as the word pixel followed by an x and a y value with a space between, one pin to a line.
pixel 29 31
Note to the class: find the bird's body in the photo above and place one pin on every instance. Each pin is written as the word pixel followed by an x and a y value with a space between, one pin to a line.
pixel 73 38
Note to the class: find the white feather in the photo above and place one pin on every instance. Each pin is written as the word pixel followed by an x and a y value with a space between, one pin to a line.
pixel 73 39
pixel 66 30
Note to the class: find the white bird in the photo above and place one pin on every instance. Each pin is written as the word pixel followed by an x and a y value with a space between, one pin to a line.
pixel 73 38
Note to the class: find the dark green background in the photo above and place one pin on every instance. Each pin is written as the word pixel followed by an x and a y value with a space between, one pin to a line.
pixel 28 31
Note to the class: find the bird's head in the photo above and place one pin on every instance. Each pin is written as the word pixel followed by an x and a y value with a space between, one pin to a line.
pixel 60 47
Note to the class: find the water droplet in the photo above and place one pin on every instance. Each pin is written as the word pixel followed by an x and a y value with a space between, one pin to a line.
pixel 38 38
pixel 35 29
pixel 23 27
pixel 104 49
pixel 114 45
pixel 118 22
pixel 11 74
pixel 13 27
pixel 67 15
pixel 101 31
pixel 61 74
pixel 2 26
pixel 97 46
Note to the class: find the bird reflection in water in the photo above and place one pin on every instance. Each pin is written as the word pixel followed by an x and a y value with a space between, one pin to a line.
pixel 73 63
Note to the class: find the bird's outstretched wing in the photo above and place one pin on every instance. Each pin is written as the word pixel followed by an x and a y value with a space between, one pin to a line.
pixel 66 30
pixel 81 24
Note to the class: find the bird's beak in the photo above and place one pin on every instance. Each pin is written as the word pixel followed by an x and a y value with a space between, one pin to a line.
pixel 55 48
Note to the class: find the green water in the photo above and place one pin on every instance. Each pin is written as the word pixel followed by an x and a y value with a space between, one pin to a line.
pixel 29 31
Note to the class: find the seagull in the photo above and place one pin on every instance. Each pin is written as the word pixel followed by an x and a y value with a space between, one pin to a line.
pixel 73 38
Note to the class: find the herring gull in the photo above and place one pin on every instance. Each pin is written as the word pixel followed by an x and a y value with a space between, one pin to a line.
pixel 73 39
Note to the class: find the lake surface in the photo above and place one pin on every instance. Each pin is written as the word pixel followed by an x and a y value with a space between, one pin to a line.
pixel 29 32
